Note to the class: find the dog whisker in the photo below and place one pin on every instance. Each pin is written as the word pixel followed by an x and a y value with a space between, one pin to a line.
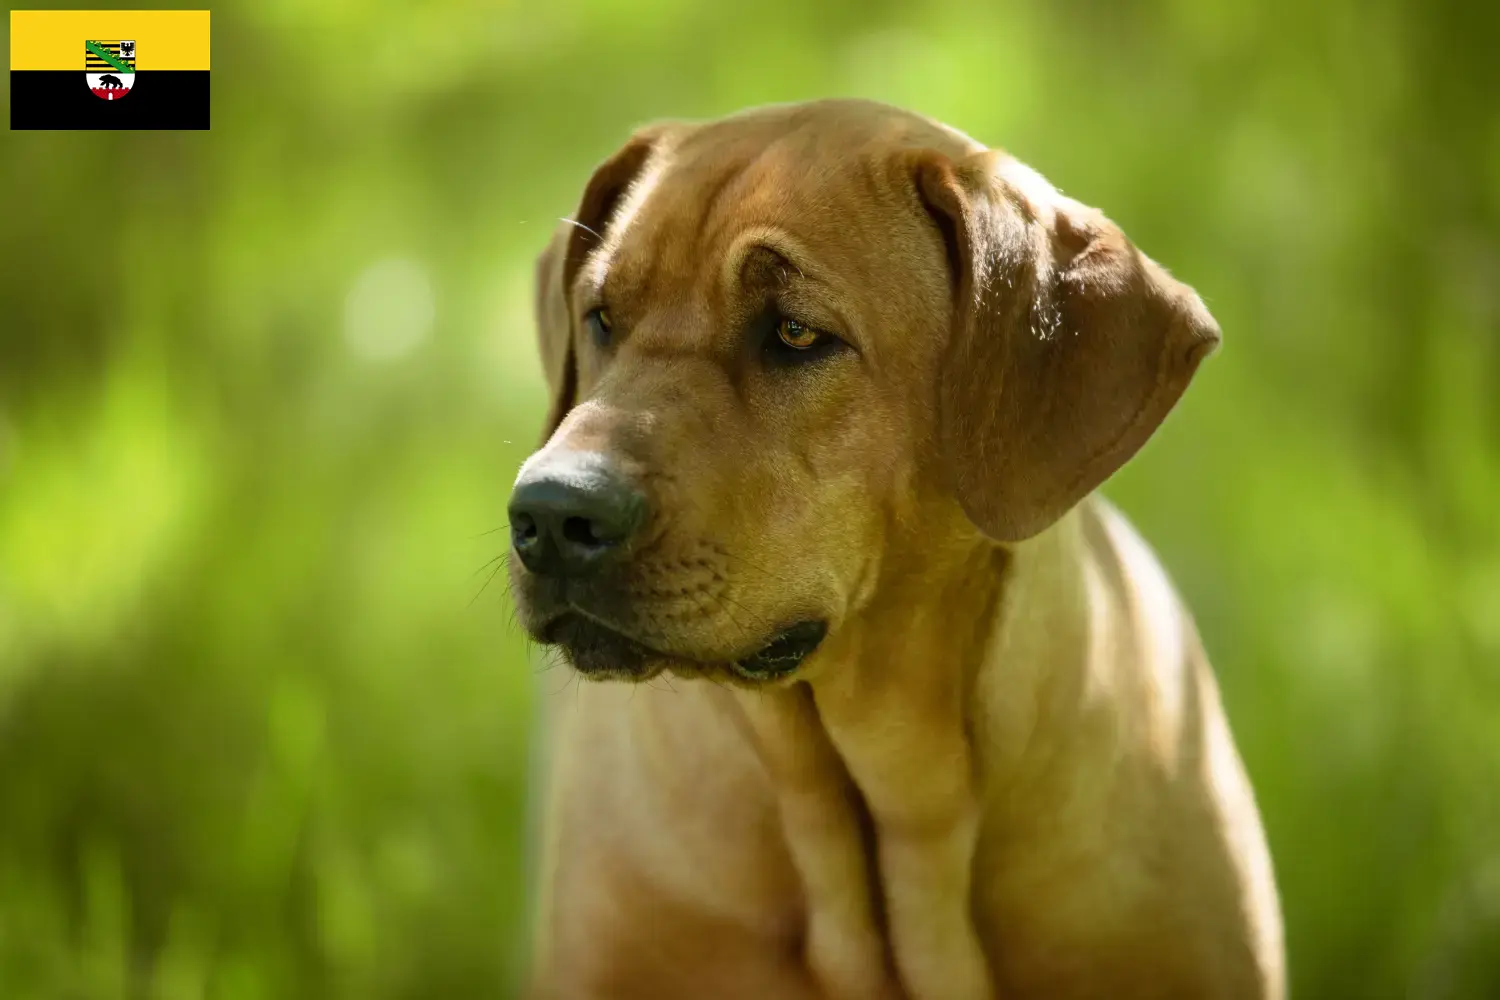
pixel 500 562
pixel 707 612
pixel 488 564
pixel 749 611
pixel 724 552
pixel 575 222
pixel 569 677
pixel 732 620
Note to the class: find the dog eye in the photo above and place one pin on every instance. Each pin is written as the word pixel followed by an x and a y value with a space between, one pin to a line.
pixel 797 336
pixel 599 325
pixel 787 341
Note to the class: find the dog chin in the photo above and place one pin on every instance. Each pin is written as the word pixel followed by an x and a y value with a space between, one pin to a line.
pixel 599 652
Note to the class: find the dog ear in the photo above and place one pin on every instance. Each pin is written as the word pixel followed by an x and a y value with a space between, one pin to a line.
pixel 559 263
pixel 554 328
pixel 1069 345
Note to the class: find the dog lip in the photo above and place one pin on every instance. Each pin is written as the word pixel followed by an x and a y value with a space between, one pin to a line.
pixel 597 649
pixel 779 657
pixel 784 653
pixel 573 616
pixel 555 629
pixel 575 620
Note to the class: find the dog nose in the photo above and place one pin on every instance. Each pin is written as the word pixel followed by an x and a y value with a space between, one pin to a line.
pixel 568 519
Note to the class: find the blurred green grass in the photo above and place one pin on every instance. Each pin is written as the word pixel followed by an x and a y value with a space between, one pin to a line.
pixel 264 729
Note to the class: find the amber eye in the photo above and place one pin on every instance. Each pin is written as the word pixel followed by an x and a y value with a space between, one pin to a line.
pixel 796 336
pixel 599 325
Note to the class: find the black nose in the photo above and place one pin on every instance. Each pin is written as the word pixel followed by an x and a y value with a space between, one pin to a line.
pixel 569 516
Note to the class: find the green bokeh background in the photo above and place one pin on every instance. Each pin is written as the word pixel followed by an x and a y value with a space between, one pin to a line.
pixel 263 390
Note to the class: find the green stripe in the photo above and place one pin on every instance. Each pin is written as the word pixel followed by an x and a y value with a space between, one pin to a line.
pixel 109 57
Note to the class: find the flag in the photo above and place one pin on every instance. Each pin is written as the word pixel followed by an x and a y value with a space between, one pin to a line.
pixel 109 69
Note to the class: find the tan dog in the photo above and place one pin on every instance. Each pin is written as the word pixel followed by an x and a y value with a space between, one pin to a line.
pixel 831 385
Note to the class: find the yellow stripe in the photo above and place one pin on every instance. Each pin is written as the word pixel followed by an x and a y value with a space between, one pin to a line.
pixel 164 39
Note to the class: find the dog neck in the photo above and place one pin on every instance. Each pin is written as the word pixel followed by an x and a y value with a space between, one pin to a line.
pixel 939 611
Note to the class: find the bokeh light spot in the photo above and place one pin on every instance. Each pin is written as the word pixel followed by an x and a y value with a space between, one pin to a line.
pixel 390 310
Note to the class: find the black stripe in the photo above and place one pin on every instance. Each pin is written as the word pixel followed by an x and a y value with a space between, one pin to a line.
pixel 60 99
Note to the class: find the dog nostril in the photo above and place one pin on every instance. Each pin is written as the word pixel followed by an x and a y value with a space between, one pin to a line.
pixel 580 531
pixel 523 528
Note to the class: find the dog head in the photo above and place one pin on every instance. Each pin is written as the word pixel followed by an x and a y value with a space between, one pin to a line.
pixel 789 348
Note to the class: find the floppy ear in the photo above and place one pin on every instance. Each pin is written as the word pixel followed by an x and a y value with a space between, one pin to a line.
pixel 559 264
pixel 1069 345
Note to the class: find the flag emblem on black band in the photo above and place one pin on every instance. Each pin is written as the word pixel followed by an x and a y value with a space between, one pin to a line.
pixel 109 67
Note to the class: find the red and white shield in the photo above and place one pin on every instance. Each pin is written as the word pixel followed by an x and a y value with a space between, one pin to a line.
pixel 111 86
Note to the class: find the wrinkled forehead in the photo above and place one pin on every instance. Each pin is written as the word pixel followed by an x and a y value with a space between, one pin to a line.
pixel 726 200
